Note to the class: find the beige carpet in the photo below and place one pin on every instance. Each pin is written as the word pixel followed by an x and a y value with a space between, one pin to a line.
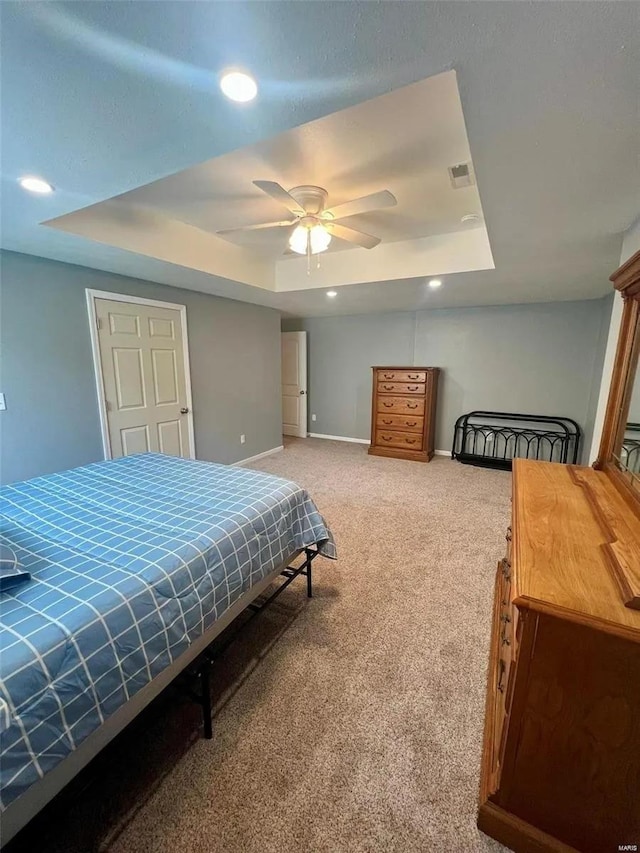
pixel 349 723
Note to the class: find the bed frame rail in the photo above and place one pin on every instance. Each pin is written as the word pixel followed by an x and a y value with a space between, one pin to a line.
pixel 202 665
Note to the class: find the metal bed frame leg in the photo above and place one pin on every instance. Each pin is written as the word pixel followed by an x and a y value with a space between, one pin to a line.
pixel 209 657
pixel 308 574
pixel 205 691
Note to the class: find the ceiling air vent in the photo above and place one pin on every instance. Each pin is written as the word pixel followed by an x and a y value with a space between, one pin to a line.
pixel 461 175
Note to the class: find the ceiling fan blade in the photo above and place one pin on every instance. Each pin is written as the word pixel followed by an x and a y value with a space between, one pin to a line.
pixel 375 201
pixel 279 193
pixel 258 227
pixel 352 236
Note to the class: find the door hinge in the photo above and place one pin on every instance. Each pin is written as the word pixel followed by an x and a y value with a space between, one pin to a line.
pixel 98 323
pixel 107 406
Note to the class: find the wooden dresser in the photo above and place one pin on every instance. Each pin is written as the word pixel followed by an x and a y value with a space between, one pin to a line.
pixel 561 754
pixel 403 412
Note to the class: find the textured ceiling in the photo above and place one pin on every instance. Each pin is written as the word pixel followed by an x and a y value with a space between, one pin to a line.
pixel 100 98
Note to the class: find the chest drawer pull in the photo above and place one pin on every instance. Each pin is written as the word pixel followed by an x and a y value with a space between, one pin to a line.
pixel 389 375
pixel 387 438
pixel 410 440
pixel 388 387
pixel 412 405
pixel 414 387
pixel 387 405
pixel 388 423
pixel 413 375
pixel 505 618
pixel 503 668
pixel 411 423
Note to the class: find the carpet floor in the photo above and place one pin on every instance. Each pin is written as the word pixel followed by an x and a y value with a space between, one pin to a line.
pixel 344 724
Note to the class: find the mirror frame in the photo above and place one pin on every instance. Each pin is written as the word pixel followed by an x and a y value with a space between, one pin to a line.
pixel 626 280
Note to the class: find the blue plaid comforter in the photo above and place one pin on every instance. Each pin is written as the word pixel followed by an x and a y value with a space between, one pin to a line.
pixel 131 560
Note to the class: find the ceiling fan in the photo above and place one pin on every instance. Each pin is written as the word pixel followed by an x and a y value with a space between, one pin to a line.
pixel 313 225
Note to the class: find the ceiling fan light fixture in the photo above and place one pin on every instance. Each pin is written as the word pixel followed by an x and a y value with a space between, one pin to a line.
pixel 313 238
pixel 299 240
pixel 320 239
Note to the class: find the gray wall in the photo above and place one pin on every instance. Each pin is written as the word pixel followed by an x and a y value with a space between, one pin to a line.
pixel 46 371
pixel 541 359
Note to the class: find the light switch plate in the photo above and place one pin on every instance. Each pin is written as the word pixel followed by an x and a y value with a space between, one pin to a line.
pixel 3 404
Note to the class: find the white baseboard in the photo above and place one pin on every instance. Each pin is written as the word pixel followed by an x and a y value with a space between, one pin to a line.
pixel 339 438
pixel 363 441
pixel 259 455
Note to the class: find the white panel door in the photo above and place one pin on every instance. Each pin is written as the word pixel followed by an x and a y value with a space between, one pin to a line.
pixel 144 378
pixel 294 383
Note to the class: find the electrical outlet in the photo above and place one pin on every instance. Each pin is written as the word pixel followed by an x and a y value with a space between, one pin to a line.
pixel 243 438
pixel 313 417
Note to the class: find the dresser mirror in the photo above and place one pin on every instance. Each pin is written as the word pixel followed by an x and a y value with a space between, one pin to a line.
pixel 626 453
pixel 620 446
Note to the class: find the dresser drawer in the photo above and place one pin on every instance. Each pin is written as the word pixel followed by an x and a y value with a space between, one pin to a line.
pixel 404 423
pixel 405 440
pixel 401 405
pixel 401 376
pixel 401 388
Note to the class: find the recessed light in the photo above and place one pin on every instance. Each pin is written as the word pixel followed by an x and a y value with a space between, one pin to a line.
pixel 238 86
pixel 332 294
pixel 435 282
pixel 35 185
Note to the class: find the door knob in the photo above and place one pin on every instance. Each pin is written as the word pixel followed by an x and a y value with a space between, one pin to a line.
pixel 184 411
pixel 302 392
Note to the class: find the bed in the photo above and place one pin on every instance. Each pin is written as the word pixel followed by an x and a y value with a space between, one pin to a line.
pixel 136 565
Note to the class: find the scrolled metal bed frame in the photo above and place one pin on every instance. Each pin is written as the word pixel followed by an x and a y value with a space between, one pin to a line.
pixel 494 439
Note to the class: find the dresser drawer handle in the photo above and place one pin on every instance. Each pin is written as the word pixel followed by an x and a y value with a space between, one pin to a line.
pixel 388 387
pixel 503 669
pixel 506 619
pixel 413 375
pixel 509 535
pixel 411 423
pixel 410 440
pixel 389 375
pixel 386 438
pixel 414 387
pixel 388 405
pixel 388 423
pixel 412 405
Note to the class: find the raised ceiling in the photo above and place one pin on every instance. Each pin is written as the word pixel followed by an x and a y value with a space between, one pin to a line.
pixel 115 97
pixel 404 141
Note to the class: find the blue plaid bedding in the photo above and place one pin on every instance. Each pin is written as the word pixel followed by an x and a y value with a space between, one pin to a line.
pixel 131 560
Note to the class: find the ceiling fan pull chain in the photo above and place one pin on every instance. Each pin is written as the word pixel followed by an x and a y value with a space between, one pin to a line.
pixel 308 253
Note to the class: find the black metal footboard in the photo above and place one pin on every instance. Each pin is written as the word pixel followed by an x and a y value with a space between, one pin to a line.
pixel 494 439
pixel 630 450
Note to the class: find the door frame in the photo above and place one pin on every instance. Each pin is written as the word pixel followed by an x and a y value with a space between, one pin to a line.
pixel 91 296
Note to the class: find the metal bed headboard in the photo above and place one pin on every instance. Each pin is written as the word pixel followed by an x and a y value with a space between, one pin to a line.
pixel 494 439
pixel 630 450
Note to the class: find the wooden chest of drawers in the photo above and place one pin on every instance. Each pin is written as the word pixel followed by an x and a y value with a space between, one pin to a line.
pixel 403 412
pixel 561 756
